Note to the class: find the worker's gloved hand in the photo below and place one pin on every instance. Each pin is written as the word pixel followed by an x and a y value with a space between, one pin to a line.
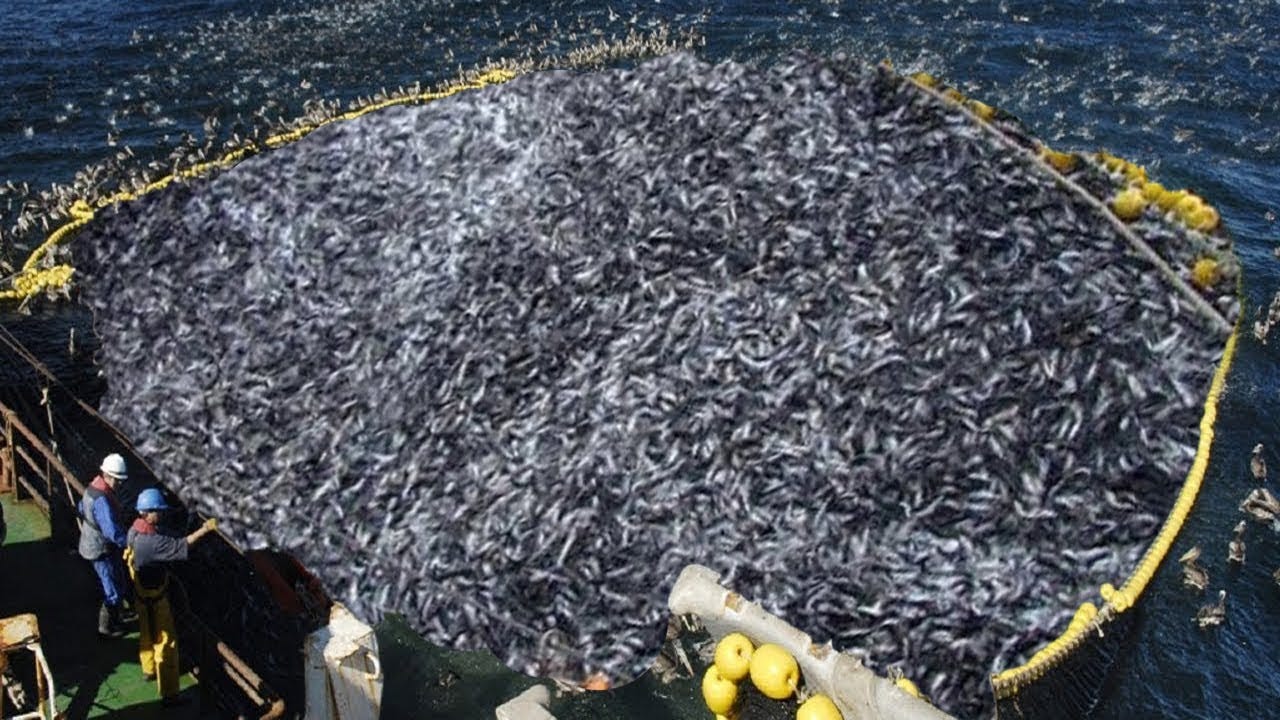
pixel 211 524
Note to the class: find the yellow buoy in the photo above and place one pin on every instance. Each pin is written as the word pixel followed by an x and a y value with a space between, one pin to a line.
pixel 907 686
pixel 1129 204
pixel 774 672
pixel 982 110
pixel 733 656
pixel 1170 198
pixel 953 94
pixel 719 694
pixel 1204 274
pixel 1188 204
pixel 925 79
pixel 1152 191
pixel 1136 174
pixel 1109 161
pixel 1206 219
pixel 1062 162
pixel 819 707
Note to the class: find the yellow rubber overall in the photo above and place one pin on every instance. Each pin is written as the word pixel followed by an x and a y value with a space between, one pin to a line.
pixel 157 637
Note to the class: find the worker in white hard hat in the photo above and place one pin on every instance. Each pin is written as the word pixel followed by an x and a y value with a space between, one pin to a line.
pixel 103 536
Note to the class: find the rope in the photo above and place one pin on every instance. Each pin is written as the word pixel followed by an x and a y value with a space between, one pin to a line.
pixel 1088 618
pixel 1007 684
pixel 1208 311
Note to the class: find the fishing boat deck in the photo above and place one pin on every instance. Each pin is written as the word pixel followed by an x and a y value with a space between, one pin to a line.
pixel 95 678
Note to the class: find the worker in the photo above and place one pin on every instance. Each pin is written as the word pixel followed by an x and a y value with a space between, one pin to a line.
pixel 102 540
pixel 147 558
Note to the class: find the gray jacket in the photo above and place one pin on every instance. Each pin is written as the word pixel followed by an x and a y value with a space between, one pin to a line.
pixel 100 530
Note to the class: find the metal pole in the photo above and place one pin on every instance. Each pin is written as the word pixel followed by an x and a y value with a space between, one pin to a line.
pixel 6 460
pixel 55 515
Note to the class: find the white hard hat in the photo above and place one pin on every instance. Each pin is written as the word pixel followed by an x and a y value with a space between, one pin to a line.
pixel 113 465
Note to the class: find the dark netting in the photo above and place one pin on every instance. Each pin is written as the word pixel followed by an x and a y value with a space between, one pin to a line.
pixel 1070 689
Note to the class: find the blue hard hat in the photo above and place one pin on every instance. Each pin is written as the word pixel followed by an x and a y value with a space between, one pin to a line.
pixel 151 499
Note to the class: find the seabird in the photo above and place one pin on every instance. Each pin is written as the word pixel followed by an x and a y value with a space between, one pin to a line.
pixel 1193 575
pixel 1235 550
pixel 1211 615
pixel 1261 505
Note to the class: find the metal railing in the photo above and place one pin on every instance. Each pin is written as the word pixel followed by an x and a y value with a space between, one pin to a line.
pixel 41 465
pixel 32 470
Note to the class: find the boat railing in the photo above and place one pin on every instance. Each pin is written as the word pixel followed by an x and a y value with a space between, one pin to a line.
pixel 32 470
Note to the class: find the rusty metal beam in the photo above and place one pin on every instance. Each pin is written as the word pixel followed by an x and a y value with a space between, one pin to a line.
pixel 275 711
pixel 234 661
pixel 243 684
pixel 40 499
pixel 238 671
pixel 6 483
pixel 11 418
pixel 35 496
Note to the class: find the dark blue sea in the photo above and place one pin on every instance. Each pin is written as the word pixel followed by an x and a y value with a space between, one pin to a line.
pixel 1191 90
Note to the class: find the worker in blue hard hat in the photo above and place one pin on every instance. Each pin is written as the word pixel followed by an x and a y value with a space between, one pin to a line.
pixel 148 556
pixel 102 540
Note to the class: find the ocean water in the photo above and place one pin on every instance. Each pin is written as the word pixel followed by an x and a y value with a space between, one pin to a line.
pixel 1191 90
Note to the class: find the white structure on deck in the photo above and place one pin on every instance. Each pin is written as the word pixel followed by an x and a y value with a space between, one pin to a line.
pixel 343 675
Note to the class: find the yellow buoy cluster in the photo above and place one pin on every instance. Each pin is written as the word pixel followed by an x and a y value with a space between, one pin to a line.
pixel 983 111
pixel 773 671
pixel 34 282
pixel 1129 204
pixel 32 279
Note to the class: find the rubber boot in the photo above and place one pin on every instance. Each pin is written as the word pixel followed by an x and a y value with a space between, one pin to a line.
pixel 128 615
pixel 106 625
pixel 117 620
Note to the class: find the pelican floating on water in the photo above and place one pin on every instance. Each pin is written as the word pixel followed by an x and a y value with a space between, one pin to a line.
pixel 1235 550
pixel 1211 615
pixel 1261 505
pixel 1194 575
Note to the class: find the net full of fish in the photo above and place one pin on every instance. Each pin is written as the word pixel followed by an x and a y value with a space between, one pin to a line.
pixel 505 363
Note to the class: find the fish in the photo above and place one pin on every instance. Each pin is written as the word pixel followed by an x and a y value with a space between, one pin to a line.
pixel 505 363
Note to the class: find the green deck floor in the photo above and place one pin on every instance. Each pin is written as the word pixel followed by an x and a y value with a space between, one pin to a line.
pixel 94 678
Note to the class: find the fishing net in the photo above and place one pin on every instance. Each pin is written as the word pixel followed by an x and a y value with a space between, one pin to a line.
pixel 505 362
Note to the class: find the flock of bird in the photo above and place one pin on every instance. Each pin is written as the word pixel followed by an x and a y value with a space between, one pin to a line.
pixel 506 362
pixel 1261 506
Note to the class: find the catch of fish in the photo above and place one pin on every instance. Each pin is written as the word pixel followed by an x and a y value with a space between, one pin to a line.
pixel 506 362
